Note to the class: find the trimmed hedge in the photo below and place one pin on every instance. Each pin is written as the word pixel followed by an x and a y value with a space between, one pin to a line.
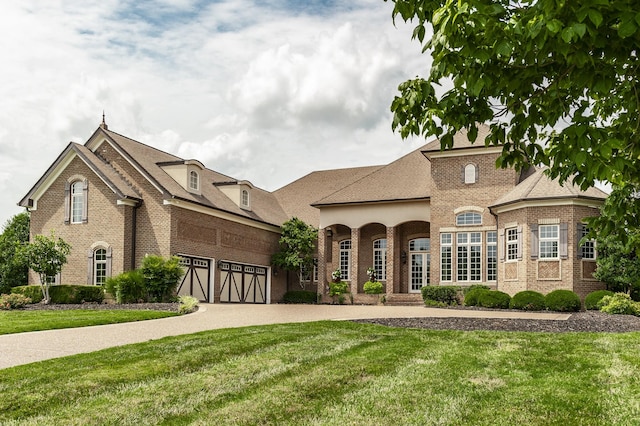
pixel 33 292
pixel 562 301
pixel 472 296
pixel 300 296
pixel 528 300
pixel 63 294
pixel 494 299
pixel 440 294
pixel 593 298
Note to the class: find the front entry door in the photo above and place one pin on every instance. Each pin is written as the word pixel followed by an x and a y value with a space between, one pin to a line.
pixel 420 271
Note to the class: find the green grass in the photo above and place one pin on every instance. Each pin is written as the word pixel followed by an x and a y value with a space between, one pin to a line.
pixel 17 321
pixel 336 373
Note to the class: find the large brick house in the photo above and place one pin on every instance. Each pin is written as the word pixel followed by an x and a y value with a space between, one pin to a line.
pixel 431 217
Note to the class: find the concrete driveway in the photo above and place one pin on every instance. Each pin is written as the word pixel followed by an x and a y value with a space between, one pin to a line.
pixel 25 348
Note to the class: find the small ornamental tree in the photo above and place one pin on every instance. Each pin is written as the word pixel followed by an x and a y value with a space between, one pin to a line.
pixel 297 247
pixel 46 256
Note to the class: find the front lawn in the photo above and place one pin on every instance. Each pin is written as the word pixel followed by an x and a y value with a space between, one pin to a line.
pixel 337 373
pixel 17 321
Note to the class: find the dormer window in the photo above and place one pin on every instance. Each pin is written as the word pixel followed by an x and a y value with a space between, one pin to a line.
pixel 244 199
pixel 194 180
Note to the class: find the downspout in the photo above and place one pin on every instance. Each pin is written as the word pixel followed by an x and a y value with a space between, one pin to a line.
pixel 134 232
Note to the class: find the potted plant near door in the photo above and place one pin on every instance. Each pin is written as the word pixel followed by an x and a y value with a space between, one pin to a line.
pixel 338 288
pixel 373 286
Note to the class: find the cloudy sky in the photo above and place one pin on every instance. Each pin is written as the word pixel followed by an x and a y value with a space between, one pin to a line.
pixel 263 90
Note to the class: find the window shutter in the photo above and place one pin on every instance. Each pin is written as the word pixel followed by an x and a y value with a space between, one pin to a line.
pixel 563 241
pixel 85 199
pixel 90 267
pixel 534 241
pixel 477 173
pixel 501 248
pixel 579 232
pixel 67 203
pixel 108 272
pixel 463 173
pixel 520 242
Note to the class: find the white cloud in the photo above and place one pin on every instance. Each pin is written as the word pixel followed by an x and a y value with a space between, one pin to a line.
pixel 264 91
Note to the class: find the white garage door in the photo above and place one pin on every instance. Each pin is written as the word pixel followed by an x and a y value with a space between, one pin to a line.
pixel 242 283
pixel 196 279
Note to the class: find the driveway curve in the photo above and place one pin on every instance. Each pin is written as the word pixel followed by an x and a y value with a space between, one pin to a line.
pixel 25 348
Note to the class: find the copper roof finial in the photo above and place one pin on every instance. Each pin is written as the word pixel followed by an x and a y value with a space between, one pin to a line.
pixel 104 124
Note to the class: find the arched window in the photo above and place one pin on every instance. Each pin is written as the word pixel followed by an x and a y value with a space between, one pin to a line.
pixel 345 259
pixel 468 218
pixel 194 180
pixel 75 210
pixel 245 198
pixel 470 173
pixel 380 258
pixel 99 266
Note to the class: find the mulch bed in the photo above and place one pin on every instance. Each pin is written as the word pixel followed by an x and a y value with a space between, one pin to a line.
pixel 590 321
pixel 171 307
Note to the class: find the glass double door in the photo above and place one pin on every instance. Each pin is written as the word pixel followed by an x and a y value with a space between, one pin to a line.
pixel 420 274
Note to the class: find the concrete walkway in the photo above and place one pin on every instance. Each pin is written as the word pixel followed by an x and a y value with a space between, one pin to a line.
pixel 25 348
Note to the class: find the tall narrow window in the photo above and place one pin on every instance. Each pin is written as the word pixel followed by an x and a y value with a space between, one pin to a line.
pixel 194 180
pixel 492 256
pixel 77 202
pixel 588 248
pixel 549 239
pixel 99 266
pixel 380 258
pixel 245 198
pixel 446 257
pixel 512 243
pixel 470 173
pixel 469 261
pixel 345 259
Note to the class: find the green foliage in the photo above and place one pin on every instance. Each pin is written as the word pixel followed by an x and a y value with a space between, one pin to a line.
pixel 13 301
pixel 373 287
pixel 440 295
pixel 300 296
pixel 127 287
pixel 46 256
pixel 297 247
pixel 66 294
pixel 593 298
pixel 33 292
pixel 620 304
pixel 188 304
pixel 618 266
pixel 14 268
pixel 337 289
pixel 494 299
pixel 467 289
pixel 557 80
pixel 562 301
pixel 473 295
pixel 528 301
pixel 161 277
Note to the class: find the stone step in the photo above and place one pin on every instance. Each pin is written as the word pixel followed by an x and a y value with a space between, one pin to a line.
pixel 404 299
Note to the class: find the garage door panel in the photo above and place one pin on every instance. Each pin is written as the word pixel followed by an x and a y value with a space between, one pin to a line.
pixel 243 283
pixel 196 279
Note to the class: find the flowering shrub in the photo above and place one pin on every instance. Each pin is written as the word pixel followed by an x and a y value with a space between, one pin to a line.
pixel 13 301
pixel 371 273
pixel 336 276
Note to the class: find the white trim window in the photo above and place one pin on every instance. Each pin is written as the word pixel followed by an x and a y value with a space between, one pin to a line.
pixel 492 256
pixel 549 238
pixel 446 257
pixel 244 198
pixel 194 180
pixel 345 259
pixel 77 201
pixel 587 250
pixel 380 259
pixel 99 266
pixel 469 259
pixel 513 243
pixel 468 218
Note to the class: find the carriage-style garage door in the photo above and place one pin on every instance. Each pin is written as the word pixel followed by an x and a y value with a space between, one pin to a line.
pixel 242 283
pixel 196 279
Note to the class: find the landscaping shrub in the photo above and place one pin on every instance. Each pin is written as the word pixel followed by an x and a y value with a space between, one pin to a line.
pixel 440 295
pixel 471 298
pixel 593 298
pixel 467 289
pixel 76 294
pixel 562 301
pixel 528 301
pixel 619 303
pixel 300 296
pixel 188 304
pixel 161 277
pixel 127 287
pixel 13 301
pixel 337 289
pixel 373 287
pixel 494 299
pixel 33 292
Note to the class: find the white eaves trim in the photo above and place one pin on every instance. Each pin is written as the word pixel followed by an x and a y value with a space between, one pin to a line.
pixel 464 152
